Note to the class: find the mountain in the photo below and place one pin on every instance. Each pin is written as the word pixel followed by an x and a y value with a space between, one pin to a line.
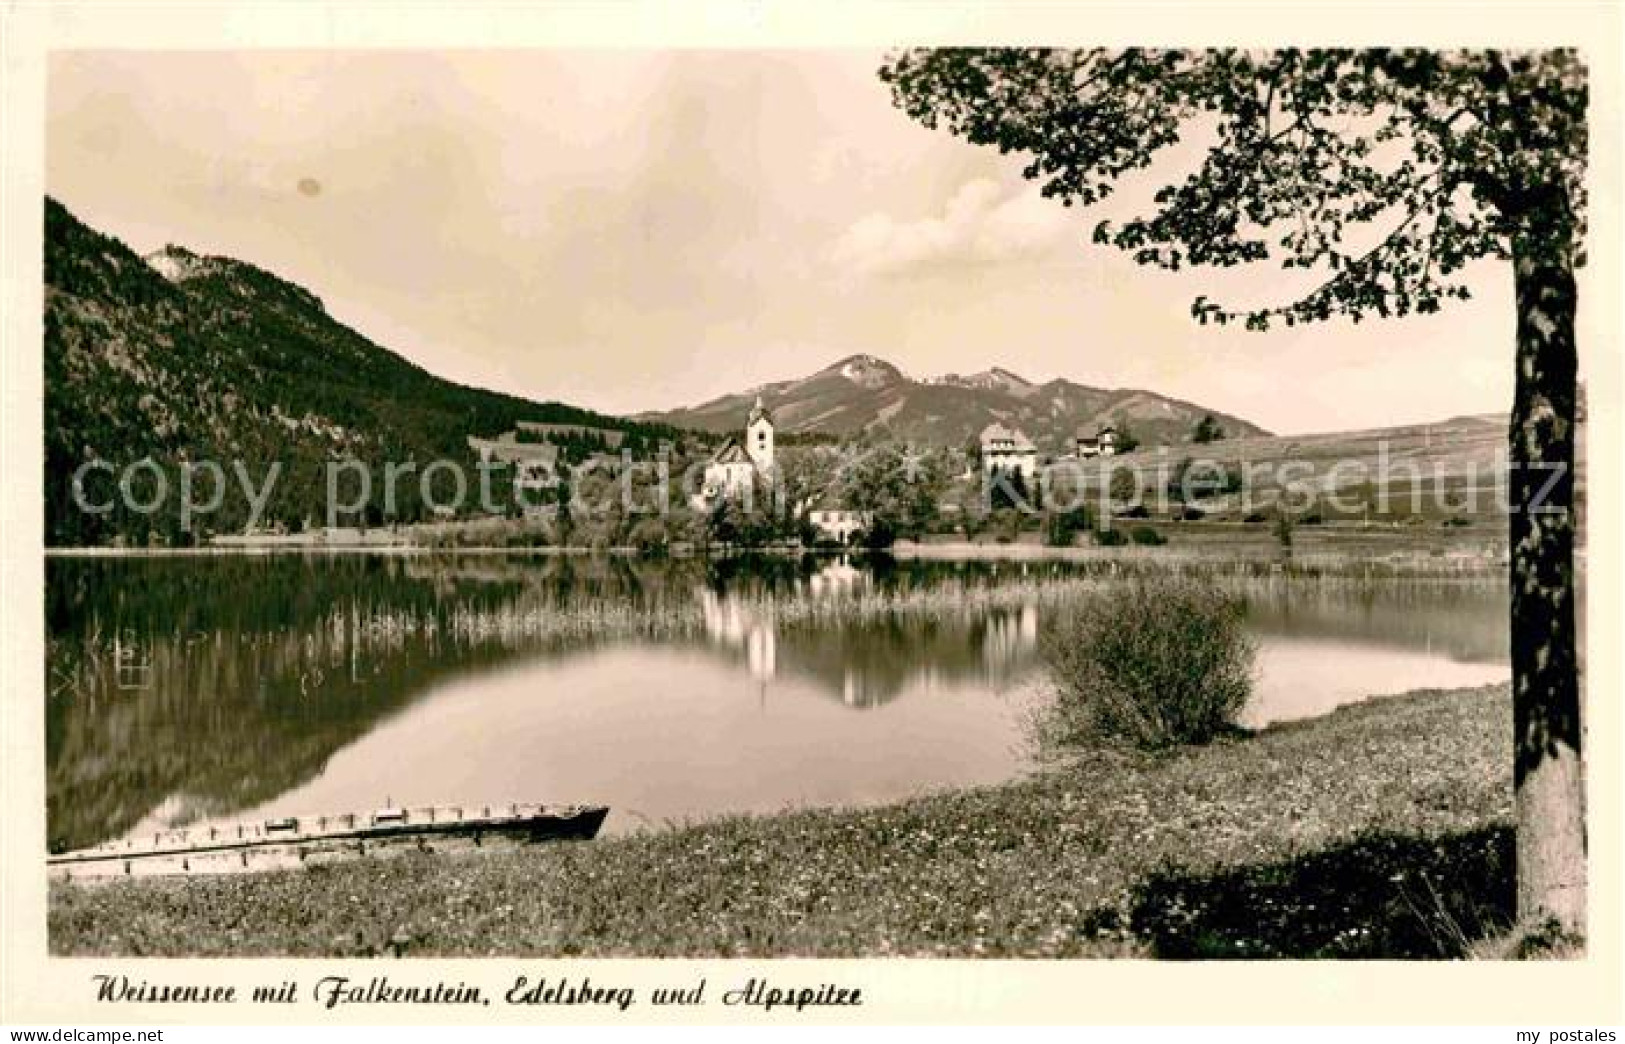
pixel 180 357
pixel 863 393
pixel 997 379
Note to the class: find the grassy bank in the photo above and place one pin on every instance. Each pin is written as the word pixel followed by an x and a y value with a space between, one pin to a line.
pixel 1379 830
pixel 1326 549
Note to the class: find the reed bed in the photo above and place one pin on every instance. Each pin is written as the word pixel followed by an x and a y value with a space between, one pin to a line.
pixel 569 623
pixel 534 619
pixel 949 599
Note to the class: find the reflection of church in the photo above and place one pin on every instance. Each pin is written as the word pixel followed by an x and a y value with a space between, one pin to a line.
pixel 836 578
pixel 730 625
pixel 858 690
pixel 868 666
pixel 1010 638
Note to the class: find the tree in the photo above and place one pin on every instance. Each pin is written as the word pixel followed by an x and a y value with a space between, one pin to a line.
pixel 1283 530
pixel 801 478
pixel 1062 525
pixel 1124 486
pixel 893 484
pixel 1177 487
pixel 1385 173
pixel 1008 489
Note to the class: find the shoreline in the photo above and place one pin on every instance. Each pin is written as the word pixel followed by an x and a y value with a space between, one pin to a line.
pixel 1091 855
pixel 1325 551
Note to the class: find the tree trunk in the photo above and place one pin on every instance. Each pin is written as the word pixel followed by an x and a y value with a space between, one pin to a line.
pixel 1551 846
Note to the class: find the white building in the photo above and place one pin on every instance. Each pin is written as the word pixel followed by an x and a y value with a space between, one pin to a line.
pixel 838 524
pixel 1103 443
pixel 1008 451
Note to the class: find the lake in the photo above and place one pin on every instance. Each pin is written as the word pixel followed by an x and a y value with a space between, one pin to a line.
pixel 189 689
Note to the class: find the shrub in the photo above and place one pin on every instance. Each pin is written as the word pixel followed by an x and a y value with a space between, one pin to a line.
pixel 1147 536
pixel 1253 518
pixel 1008 523
pixel 1207 430
pixel 1191 514
pixel 1160 662
pixel 880 535
pixel 1110 537
pixel 650 539
pixel 1124 485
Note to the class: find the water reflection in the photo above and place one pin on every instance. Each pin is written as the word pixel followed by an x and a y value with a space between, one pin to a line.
pixel 188 689
pixel 867 665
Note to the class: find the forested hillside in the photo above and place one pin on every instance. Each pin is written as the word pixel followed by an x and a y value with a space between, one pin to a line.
pixel 187 358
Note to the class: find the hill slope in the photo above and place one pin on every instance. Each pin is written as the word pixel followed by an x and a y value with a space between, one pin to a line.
pixel 181 357
pixel 863 393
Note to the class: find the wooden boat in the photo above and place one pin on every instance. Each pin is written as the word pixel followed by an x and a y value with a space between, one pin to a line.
pixel 303 840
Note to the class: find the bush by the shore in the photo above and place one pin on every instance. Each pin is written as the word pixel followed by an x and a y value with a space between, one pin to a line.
pixel 1159 662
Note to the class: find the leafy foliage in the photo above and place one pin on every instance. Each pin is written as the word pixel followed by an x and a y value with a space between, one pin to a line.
pixel 1385 170
pixel 1110 536
pixel 1166 661
pixel 896 486
pixel 1147 537
pixel 1207 430
pixel 1061 527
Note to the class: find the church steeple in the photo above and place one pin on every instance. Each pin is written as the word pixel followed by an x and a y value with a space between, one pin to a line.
pixel 758 412
pixel 759 436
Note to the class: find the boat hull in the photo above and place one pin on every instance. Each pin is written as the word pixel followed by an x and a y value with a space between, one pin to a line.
pixel 306 841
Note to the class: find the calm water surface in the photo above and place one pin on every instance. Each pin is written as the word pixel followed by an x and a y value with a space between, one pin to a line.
pixel 189 689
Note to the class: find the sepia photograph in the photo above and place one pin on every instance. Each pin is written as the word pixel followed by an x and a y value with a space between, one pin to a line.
pixel 966 501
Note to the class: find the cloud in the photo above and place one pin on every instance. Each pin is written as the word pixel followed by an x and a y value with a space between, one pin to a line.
pixel 979 225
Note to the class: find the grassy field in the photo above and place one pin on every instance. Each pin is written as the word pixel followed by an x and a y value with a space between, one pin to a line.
pixel 1405 476
pixel 1381 830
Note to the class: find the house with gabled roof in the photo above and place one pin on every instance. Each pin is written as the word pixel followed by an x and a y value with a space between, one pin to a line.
pixel 1007 451
pixel 1103 443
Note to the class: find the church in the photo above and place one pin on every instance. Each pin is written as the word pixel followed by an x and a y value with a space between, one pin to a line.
pixel 739 461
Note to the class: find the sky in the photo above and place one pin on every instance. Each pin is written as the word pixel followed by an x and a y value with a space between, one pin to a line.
pixel 633 231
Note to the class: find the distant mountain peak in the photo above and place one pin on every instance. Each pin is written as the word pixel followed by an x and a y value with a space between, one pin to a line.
pixel 180 265
pixel 995 379
pixel 863 392
pixel 1005 375
pixel 177 264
